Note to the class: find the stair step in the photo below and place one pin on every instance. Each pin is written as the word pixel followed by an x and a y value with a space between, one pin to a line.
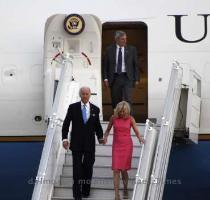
pixel 102 160
pixel 107 150
pixel 98 171
pixel 140 127
pixel 101 198
pixel 110 140
pixel 99 182
pixel 95 193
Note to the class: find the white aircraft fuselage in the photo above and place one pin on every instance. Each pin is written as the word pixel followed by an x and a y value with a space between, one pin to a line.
pixel 168 32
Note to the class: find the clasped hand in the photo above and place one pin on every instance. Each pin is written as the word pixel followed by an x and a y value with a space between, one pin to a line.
pixel 66 144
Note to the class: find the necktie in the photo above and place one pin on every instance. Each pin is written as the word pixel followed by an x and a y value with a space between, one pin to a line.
pixel 84 113
pixel 119 61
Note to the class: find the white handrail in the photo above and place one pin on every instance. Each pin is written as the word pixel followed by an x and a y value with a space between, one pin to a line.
pixel 153 163
pixel 159 170
pixel 52 150
pixel 145 161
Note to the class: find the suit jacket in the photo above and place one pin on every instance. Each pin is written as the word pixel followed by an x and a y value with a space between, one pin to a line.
pixel 82 135
pixel 131 63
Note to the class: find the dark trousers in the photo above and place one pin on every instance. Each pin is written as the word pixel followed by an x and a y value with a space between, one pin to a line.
pixel 121 89
pixel 82 172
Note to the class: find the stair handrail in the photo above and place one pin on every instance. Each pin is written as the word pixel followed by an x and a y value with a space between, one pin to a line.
pixel 46 176
pixel 145 161
pixel 158 175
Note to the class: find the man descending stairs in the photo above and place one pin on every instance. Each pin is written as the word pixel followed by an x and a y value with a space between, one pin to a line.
pixel 102 182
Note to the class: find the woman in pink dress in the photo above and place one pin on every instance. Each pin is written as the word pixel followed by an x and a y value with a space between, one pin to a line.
pixel 122 147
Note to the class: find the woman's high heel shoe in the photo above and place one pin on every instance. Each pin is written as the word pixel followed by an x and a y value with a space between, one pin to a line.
pixel 117 197
pixel 125 194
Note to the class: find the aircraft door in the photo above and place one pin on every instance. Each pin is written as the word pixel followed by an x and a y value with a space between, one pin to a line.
pixel 137 36
pixel 194 106
pixel 85 49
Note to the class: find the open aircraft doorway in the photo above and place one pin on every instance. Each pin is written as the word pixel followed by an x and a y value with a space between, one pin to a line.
pixel 136 36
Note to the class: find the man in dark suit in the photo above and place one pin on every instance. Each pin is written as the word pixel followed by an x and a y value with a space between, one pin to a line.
pixel 120 69
pixel 85 124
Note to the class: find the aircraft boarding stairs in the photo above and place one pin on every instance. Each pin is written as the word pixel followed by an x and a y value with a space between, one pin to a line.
pixel 102 182
pixel 149 163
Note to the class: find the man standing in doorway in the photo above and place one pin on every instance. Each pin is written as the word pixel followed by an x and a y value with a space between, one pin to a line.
pixel 85 124
pixel 120 69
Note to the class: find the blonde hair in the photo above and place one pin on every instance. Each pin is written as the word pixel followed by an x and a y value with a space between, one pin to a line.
pixel 123 105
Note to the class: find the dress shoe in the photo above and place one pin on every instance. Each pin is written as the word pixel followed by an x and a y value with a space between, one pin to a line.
pixel 77 198
pixel 85 195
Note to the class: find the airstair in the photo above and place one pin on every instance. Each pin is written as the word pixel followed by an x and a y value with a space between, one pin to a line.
pixel 153 164
pixel 102 182
pixel 149 163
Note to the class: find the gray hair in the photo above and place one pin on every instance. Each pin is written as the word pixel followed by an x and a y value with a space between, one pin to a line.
pixel 119 34
pixel 84 88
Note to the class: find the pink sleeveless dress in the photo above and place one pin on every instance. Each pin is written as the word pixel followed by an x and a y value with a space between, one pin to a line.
pixel 122 147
